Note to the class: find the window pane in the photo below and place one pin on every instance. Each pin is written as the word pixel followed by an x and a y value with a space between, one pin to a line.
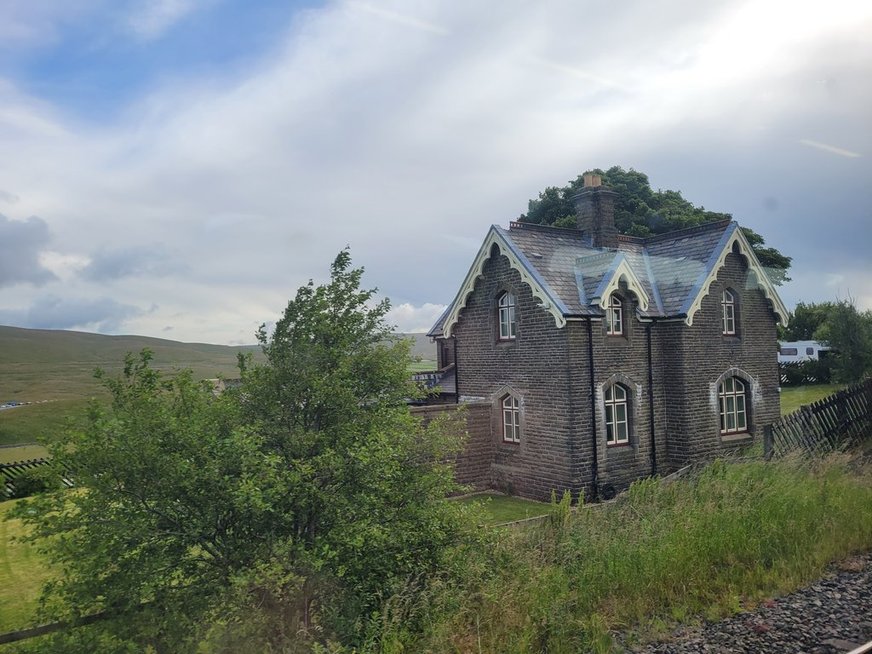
pixel 723 419
pixel 620 393
pixel 622 432
pixel 517 433
pixel 740 387
pixel 610 433
pixel 608 393
pixel 621 412
pixel 740 412
pixel 609 415
pixel 731 421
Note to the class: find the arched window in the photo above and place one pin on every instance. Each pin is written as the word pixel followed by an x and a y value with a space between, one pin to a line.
pixel 506 311
pixel 511 419
pixel 728 311
pixel 617 415
pixel 731 396
pixel 615 317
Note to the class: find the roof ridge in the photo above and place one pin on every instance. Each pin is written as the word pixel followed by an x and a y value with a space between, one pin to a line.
pixel 704 227
pixel 515 224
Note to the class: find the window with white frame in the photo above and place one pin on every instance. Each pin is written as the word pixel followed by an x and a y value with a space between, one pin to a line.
pixel 506 311
pixel 732 400
pixel 617 415
pixel 511 419
pixel 614 317
pixel 728 310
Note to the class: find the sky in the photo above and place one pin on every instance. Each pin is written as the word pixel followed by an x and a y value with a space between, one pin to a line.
pixel 178 168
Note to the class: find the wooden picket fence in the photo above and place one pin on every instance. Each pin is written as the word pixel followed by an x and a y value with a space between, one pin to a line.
pixel 834 422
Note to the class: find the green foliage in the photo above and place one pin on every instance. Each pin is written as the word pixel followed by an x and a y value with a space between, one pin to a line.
pixel 811 371
pixel 642 211
pixel 32 482
pixel 169 507
pixel 805 321
pixel 275 517
pixel 849 332
pixel 662 552
pixel 363 497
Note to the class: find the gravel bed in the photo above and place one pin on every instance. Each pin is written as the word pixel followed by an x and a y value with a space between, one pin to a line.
pixel 831 615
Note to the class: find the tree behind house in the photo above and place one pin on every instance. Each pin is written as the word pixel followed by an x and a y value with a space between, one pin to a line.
pixel 642 211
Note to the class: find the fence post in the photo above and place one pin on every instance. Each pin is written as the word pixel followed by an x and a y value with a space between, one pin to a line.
pixel 768 442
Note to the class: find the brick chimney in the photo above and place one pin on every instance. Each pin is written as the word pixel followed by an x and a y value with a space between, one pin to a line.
pixel 595 211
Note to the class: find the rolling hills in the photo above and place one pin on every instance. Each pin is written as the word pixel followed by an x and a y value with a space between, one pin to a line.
pixel 56 369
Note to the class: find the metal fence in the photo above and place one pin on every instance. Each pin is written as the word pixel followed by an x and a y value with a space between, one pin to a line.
pixel 834 422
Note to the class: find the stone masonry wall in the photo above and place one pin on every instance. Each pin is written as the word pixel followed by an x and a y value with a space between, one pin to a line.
pixel 472 467
pixel 694 360
pixel 534 367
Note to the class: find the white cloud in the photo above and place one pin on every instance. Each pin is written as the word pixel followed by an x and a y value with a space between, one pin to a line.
pixel 404 130
pixel 409 318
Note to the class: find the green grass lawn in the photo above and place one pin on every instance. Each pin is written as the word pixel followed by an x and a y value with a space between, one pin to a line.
pixel 22 453
pixel 793 397
pixel 33 422
pixel 22 573
pixel 423 365
pixel 503 508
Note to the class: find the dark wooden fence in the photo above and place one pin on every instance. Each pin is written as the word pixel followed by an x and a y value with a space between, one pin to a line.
pixel 9 472
pixel 837 421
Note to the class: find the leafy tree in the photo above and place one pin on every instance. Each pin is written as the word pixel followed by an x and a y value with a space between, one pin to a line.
pixel 849 332
pixel 641 211
pixel 172 501
pixel 363 501
pixel 268 518
pixel 806 320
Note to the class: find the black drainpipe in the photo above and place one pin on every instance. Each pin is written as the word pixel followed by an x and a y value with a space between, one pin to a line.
pixel 651 402
pixel 595 439
pixel 456 374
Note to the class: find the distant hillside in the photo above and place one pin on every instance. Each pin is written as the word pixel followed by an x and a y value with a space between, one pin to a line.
pixel 49 364
pixel 38 364
pixel 423 347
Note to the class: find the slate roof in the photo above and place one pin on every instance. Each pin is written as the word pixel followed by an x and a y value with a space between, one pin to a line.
pixel 671 268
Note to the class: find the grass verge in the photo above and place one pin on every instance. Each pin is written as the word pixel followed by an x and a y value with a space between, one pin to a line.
pixel 22 573
pixel 498 509
pixel 661 553
pixel 793 397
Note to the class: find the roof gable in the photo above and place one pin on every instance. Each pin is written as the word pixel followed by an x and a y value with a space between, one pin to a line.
pixel 550 302
pixel 619 271
pixel 733 236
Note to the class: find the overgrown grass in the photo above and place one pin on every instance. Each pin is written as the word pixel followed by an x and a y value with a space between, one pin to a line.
pixel 793 397
pixel 661 553
pixel 22 573
pixel 498 509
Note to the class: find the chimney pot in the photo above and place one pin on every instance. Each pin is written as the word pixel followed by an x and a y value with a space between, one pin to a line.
pixel 591 180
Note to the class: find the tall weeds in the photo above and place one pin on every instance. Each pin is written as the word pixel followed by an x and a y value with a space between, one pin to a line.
pixel 701 547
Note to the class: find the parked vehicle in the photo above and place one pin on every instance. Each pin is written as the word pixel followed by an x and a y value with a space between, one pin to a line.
pixel 798 351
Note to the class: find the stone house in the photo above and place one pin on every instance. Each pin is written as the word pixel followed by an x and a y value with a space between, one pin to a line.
pixel 598 358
